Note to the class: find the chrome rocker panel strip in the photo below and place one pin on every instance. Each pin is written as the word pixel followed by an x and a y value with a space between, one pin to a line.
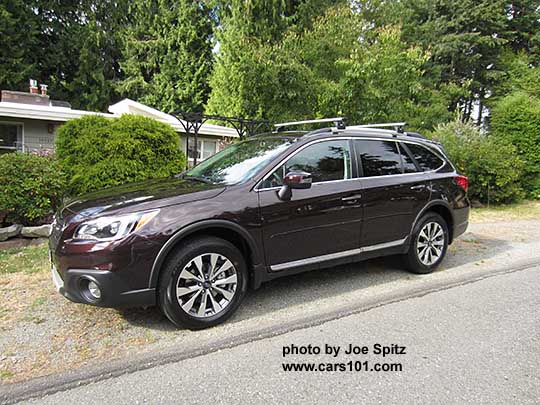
pixel 338 255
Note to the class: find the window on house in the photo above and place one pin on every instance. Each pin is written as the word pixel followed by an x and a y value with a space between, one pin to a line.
pixel 10 136
pixel 205 148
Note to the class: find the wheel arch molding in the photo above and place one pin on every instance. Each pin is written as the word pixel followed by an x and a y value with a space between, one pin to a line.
pixel 444 209
pixel 207 227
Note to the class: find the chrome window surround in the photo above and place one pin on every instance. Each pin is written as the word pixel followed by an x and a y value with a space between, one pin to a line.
pixel 283 160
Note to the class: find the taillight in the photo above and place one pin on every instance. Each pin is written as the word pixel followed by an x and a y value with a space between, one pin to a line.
pixel 463 182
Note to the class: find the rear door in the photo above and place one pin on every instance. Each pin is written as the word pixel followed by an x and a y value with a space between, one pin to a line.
pixel 317 224
pixel 394 191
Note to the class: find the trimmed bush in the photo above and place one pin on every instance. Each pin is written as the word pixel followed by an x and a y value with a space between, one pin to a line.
pixel 98 152
pixel 516 119
pixel 493 166
pixel 32 188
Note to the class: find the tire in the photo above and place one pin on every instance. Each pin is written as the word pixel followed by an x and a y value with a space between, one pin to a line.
pixel 424 255
pixel 190 295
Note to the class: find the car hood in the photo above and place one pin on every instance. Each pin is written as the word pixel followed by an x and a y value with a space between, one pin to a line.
pixel 141 196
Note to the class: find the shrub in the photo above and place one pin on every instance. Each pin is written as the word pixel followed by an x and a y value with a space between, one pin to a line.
pixel 33 187
pixel 516 119
pixel 493 166
pixel 98 152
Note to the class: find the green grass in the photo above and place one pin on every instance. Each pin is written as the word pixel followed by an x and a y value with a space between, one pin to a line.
pixel 31 259
pixel 511 212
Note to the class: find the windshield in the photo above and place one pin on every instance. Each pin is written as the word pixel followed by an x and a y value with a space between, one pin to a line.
pixel 239 162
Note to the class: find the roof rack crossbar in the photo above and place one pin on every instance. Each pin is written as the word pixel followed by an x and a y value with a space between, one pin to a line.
pixel 398 126
pixel 339 121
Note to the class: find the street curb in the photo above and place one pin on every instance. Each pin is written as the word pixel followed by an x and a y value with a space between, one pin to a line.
pixel 47 385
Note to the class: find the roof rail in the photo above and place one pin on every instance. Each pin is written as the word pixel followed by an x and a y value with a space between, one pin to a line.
pixel 398 126
pixel 339 121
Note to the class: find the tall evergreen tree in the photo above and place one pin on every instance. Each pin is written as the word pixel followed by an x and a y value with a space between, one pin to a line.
pixel 167 54
pixel 256 74
pixel 19 40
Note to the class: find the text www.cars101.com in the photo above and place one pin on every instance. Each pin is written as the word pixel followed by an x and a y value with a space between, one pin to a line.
pixel 348 366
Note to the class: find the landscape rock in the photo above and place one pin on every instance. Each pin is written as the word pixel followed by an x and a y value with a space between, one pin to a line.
pixel 36 231
pixel 9 232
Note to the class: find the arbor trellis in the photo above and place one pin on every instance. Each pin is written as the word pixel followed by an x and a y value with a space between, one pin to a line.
pixel 193 121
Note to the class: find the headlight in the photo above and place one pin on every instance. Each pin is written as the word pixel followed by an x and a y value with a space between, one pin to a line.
pixel 113 228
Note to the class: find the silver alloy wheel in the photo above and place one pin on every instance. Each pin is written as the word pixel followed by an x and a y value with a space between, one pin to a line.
pixel 430 243
pixel 206 285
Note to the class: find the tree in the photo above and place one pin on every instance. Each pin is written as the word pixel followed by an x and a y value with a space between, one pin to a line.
pixel 167 54
pixel 258 72
pixel 516 119
pixel 464 38
pixel 18 30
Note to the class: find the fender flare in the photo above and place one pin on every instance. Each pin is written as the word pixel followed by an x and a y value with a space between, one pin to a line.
pixel 427 207
pixel 195 227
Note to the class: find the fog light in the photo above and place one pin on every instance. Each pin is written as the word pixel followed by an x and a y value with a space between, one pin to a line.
pixel 94 290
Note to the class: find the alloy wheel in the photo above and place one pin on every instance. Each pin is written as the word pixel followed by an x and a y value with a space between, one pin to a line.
pixel 206 285
pixel 430 243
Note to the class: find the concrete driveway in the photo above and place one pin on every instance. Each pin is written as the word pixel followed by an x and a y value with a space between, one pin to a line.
pixel 471 324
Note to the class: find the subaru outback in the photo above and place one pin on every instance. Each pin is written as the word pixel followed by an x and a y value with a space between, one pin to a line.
pixel 269 206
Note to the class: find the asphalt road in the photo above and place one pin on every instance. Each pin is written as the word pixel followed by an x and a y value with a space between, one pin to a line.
pixel 477 341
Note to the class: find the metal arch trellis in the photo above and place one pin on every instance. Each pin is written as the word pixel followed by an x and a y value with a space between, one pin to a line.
pixel 193 121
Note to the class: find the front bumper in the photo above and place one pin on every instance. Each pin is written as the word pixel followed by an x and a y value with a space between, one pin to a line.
pixel 114 292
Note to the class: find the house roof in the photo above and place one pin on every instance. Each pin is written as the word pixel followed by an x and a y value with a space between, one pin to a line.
pixel 126 106
pixel 43 112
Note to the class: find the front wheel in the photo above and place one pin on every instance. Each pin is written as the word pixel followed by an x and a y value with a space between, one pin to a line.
pixel 428 245
pixel 203 283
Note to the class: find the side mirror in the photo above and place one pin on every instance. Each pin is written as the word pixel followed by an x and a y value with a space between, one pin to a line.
pixel 294 180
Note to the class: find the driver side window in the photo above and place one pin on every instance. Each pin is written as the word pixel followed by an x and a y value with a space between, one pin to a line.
pixel 326 161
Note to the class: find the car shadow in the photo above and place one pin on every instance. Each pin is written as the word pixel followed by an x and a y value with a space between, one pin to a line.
pixel 331 282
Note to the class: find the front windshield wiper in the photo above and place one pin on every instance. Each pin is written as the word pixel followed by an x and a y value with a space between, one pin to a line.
pixel 195 178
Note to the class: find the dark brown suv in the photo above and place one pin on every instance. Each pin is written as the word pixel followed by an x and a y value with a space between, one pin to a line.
pixel 269 206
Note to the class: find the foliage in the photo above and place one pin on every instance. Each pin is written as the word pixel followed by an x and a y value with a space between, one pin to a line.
pixel 493 166
pixel 18 30
pixel 516 119
pixel 167 54
pixel 259 71
pixel 97 152
pixel 32 187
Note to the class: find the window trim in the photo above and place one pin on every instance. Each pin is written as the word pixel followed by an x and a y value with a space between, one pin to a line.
pixel 354 172
pixel 21 124
pixel 359 170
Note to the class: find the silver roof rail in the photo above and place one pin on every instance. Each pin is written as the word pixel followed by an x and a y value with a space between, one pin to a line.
pixel 339 121
pixel 398 126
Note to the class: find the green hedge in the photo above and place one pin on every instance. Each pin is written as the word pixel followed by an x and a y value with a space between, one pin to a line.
pixel 98 152
pixel 516 119
pixel 32 188
pixel 493 166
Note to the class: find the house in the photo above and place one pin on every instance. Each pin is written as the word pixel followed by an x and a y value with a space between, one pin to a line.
pixel 29 122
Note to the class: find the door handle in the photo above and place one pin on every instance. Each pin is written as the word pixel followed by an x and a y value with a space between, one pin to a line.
pixel 418 187
pixel 352 198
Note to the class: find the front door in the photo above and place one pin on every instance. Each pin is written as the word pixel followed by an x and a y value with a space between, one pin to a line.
pixel 319 223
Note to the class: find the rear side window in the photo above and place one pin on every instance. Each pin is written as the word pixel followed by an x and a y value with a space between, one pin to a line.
pixel 408 163
pixel 426 159
pixel 379 158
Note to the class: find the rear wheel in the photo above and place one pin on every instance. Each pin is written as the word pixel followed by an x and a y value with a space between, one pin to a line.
pixel 203 283
pixel 428 245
